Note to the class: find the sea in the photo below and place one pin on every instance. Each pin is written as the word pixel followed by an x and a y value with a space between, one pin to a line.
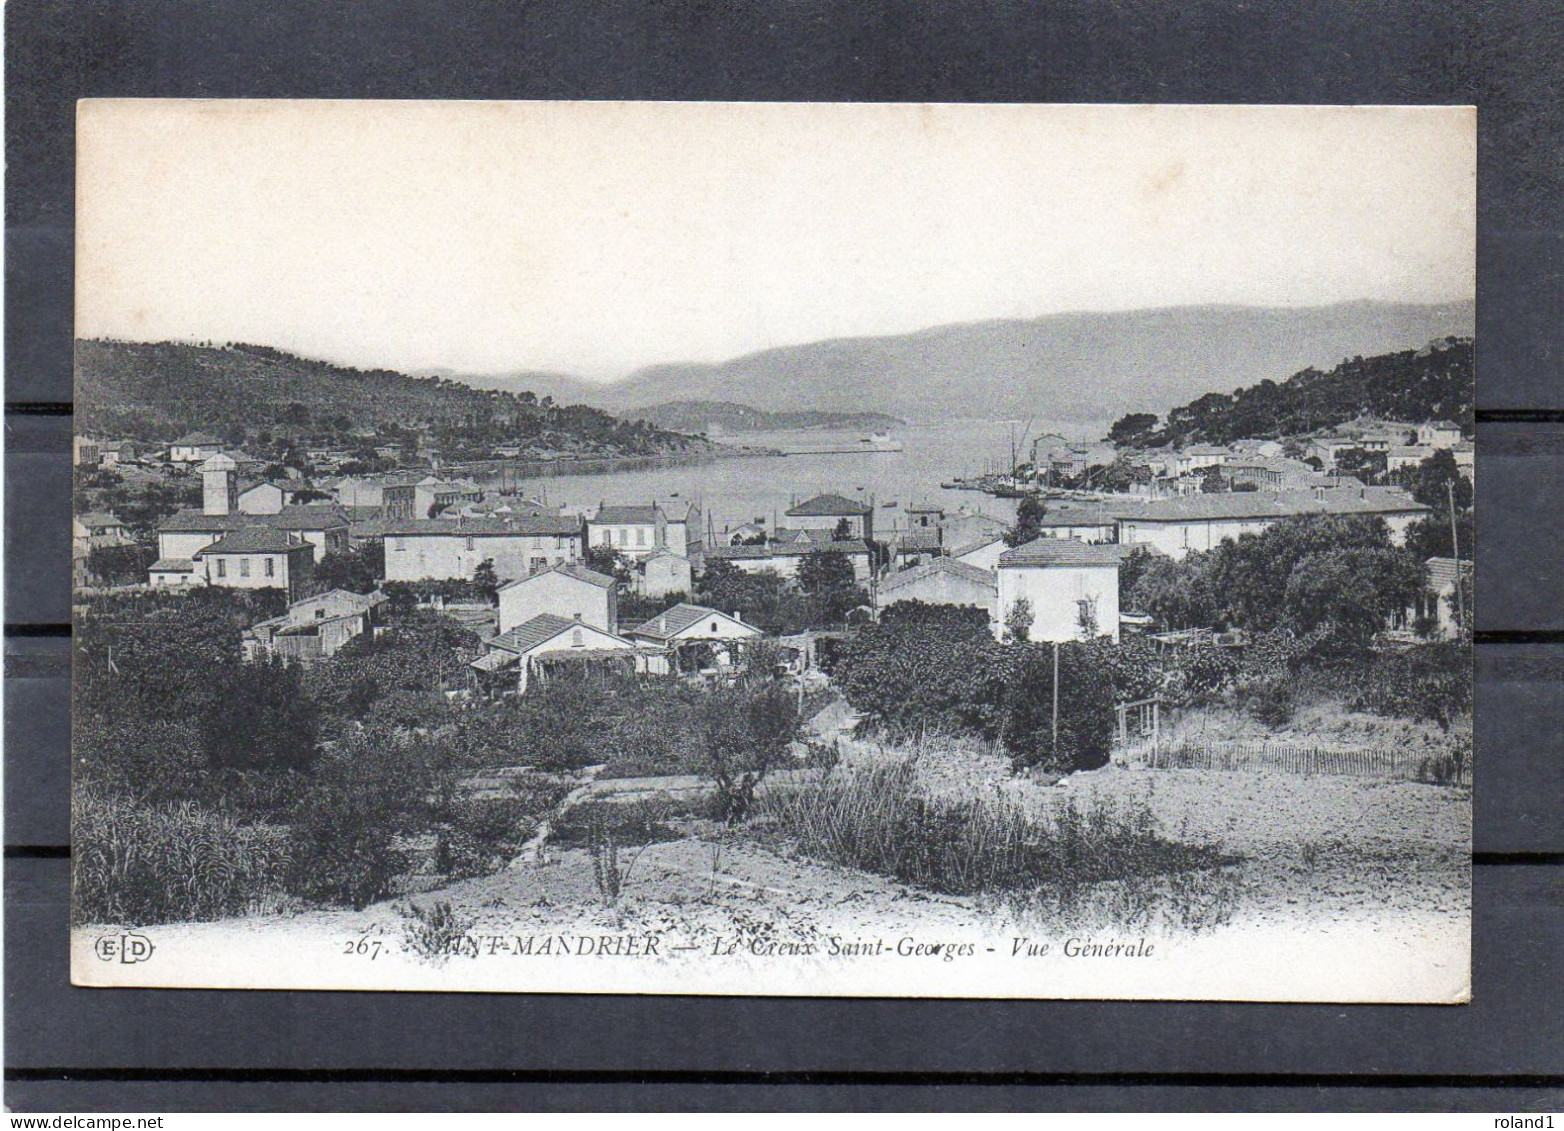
pixel 734 490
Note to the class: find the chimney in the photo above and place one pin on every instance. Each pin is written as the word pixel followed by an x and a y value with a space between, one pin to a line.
pixel 738 616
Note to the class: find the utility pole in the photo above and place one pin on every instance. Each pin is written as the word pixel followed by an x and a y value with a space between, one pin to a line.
pixel 1056 703
pixel 1455 550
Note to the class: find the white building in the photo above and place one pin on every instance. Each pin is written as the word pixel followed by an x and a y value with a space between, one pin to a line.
pixel 1199 522
pixel 1066 585
pixel 569 591
pixel 685 625
pixel 195 447
pixel 314 628
pixel 828 511
pixel 1084 524
pixel 784 559
pixel 635 531
pixel 254 558
pixel 452 548
pixel 519 653
pixel 662 575
pixel 1439 434
pixel 940 581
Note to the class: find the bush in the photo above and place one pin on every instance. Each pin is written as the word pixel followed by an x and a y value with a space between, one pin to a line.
pixel 344 827
pixel 1271 701
pixel 137 864
pixel 1427 681
pixel 1082 735
pixel 877 818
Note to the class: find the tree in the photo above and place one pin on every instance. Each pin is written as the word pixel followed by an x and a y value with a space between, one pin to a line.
pixel 609 562
pixel 843 530
pixel 1029 521
pixel 119 565
pixel 1432 482
pixel 358 570
pixel 1348 595
pixel 821 572
pixel 739 734
pixel 1075 735
pixel 487 581
pixel 1132 428
pixel 1429 537
pixel 1173 593
pixel 1018 621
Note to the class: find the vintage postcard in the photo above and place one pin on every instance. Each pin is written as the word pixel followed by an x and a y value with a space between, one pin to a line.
pixel 809 549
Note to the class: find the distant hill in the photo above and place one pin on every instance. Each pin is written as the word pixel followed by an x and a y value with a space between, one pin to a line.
pixel 155 391
pixel 699 416
pixel 1437 382
pixel 1059 367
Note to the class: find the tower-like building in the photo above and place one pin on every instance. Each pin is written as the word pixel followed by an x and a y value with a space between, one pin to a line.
pixel 219 486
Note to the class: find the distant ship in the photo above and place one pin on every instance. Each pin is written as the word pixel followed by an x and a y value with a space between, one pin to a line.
pixel 873 443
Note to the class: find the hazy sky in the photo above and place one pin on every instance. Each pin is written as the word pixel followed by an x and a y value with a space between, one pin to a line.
pixel 597 237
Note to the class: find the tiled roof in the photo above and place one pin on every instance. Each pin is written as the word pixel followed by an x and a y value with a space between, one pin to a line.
pixel 1442 572
pixel 912 541
pixel 789 550
pixel 828 506
pixel 193 520
pixel 627 515
pixel 1078 516
pixel 975 545
pixel 326 517
pixel 539 630
pixel 577 572
pixel 93 519
pixel 193 438
pixel 172 565
pixel 522 524
pixel 936 567
pixel 668 624
pixel 1272 504
pixel 254 540
pixel 1058 552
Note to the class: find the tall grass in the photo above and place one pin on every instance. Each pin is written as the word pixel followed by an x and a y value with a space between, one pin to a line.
pixel 1095 861
pixel 139 863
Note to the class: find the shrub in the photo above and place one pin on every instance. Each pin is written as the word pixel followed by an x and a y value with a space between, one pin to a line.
pixel 435 933
pixel 878 819
pixel 1427 681
pixel 1082 734
pixel 1271 701
pixel 138 863
pixel 344 827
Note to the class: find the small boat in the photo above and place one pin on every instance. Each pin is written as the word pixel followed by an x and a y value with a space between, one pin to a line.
pixel 889 505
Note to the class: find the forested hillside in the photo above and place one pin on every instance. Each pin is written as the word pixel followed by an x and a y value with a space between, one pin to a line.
pixel 1436 382
pixel 155 391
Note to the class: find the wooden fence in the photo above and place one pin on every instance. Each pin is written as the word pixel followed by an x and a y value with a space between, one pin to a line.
pixel 1380 762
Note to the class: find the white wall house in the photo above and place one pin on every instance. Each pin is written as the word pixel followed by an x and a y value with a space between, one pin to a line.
pixel 826 512
pixel 684 625
pixel 1061 581
pixel 446 548
pixel 1196 523
pixel 940 581
pixel 1439 434
pixel 195 447
pixel 635 531
pixel 784 560
pixel 256 558
pixel 569 591
pixel 663 574
pixel 984 553
pixel 513 654
pixel 1084 524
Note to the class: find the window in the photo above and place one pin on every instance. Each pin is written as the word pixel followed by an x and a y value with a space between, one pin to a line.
pixel 624 537
pixel 608 537
pixel 244 567
pixel 576 640
pixel 222 568
pixel 714 626
pixel 401 544
pixel 271 567
pixel 469 541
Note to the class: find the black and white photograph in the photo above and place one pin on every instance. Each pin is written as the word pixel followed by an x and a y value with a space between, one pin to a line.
pixel 809 549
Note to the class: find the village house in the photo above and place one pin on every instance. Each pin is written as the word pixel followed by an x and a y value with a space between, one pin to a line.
pixel 86 451
pixel 662 575
pixel 829 511
pixel 1439 434
pixel 195 447
pixel 634 531
pixel 692 635
pixel 908 547
pixel 324 527
pixel 682 532
pixel 1176 527
pixel 1068 589
pixel 784 558
pixel 360 491
pixel 965 529
pixel 1438 603
pixel 1198 458
pixel 983 553
pixel 924 516
pixel 571 591
pixel 404 498
pixel 112 453
pixel 1268 473
pixel 255 558
pixel 452 548
pixel 268 496
pixel 1407 455
pixel 939 581
pixel 1327 448
pixel 745 534
pixel 1465 455
pixel 185 532
pixel 95 529
pixel 1083 523
pixel 314 628
pixel 518 656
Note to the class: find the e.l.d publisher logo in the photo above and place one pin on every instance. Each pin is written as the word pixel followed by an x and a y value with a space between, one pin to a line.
pixel 126 947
